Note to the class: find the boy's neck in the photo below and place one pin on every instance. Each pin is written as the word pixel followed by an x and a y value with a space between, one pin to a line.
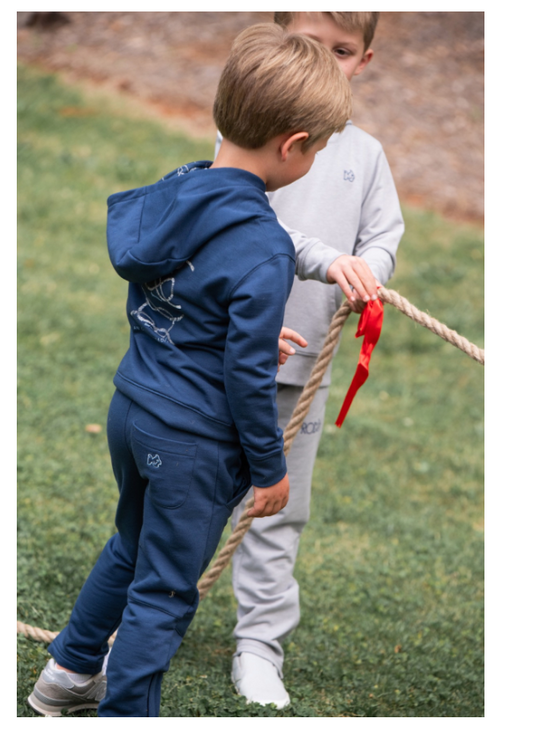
pixel 256 161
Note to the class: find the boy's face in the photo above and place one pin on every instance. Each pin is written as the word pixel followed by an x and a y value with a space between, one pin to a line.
pixel 347 46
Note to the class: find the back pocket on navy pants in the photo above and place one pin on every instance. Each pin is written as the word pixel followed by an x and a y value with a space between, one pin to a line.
pixel 167 465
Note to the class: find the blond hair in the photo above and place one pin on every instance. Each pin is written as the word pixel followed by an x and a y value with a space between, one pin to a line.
pixel 364 22
pixel 276 82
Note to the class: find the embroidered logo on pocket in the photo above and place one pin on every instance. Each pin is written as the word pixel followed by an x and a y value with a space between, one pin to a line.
pixel 154 460
pixel 166 464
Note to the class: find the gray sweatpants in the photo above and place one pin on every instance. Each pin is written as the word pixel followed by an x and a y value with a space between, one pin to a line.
pixel 263 564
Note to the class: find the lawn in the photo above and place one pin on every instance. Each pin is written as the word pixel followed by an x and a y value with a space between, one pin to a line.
pixel 391 564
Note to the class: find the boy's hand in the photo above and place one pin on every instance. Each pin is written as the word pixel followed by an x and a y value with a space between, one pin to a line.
pixel 285 349
pixel 350 271
pixel 269 500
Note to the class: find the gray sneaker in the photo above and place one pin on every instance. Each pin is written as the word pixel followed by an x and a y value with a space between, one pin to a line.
pixel 56 691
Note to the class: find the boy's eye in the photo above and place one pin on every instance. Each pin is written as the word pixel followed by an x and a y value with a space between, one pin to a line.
pixel 342 52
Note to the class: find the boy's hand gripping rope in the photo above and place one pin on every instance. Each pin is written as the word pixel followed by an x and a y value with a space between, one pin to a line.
pixel 300 411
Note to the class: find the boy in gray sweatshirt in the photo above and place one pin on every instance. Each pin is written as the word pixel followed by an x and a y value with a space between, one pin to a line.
pixel 345 221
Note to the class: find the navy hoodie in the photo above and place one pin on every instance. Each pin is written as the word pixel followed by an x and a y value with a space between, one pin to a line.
pixel 209 271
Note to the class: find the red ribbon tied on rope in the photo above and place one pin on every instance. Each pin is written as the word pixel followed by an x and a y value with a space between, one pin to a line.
pixel 369 327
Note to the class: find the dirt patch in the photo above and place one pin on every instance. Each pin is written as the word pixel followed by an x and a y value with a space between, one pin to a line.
pixel 422 96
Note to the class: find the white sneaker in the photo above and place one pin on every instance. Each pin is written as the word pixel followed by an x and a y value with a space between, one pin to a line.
pixel 258 679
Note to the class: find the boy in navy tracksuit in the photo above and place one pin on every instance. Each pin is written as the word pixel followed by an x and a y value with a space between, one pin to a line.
pixel 193 422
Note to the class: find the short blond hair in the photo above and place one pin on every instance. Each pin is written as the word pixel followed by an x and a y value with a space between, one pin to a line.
pixel 276 82
pixel 364 22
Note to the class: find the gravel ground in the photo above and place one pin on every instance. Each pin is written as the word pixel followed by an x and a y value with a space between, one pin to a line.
pixel 422 96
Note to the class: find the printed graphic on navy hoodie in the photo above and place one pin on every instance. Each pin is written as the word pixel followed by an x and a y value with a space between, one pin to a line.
pixel 209 271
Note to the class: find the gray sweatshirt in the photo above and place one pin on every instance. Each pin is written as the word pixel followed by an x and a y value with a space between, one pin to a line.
pixel 346 204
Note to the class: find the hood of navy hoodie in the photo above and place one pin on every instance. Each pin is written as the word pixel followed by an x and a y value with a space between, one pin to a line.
pixel 153 230
pixel 209 270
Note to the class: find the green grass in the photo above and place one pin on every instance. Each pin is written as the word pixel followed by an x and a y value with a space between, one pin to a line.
pixel 391 564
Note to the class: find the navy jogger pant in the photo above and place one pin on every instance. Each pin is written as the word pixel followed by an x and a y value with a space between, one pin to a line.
pixel 177 491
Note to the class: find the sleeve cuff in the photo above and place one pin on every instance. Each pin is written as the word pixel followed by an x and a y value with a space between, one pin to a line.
pixel 318 261
pixel 269 471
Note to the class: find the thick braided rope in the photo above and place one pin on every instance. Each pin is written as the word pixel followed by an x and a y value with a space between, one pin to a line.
pixel 403 305
pixel 306 398
pixel 35 633
pixel 294 425
pixel 300 411
pixel 302 408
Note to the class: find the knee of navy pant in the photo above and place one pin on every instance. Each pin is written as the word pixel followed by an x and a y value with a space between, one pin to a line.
pixel 175 596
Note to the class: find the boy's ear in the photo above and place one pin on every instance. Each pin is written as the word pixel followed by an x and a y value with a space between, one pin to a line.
pixel 367 58
pixel 288 143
